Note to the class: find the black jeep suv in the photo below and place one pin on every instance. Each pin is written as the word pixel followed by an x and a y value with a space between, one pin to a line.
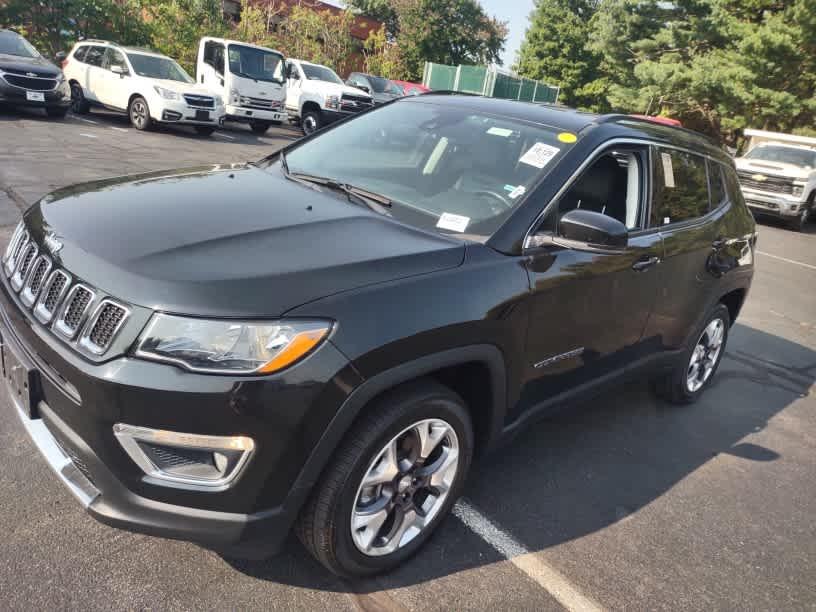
pixel 326 338
pixel 28 79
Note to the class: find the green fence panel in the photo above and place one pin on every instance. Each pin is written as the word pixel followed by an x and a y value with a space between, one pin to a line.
pixel 506 87
pixel 472 79
pixel 528 88
pixel 545 93
pixel 440 76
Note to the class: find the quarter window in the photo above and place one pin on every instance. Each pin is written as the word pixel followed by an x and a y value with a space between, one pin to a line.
pixel 680 187
pixel 79 54
pixel 716 185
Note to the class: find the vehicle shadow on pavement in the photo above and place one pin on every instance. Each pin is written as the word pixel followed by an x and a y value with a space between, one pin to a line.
pixel 594 465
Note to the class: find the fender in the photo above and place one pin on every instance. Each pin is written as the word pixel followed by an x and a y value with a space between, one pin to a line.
pixel 487 354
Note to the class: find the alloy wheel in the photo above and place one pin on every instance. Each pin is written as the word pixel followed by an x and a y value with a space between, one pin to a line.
pixel 405 487
pixel 705 355
pixel 77 99
pixel 138 114
pixel 309 125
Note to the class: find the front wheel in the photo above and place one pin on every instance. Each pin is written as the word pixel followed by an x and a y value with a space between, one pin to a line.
pixel 259 127
pixel 311 122
pixel 805 215
pixel 139 114
pixel 693 373
pixel 395 477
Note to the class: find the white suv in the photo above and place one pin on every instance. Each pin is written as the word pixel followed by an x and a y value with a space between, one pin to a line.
pixel 316 96
pixel 149 87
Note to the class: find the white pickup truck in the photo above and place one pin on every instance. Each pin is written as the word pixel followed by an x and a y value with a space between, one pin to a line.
pixel 778 176
pixel 250 78
pixel 316 96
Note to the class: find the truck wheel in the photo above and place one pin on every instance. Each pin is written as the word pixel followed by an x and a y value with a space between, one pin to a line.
pixel 139 114
pixel 693 373
pixel 259 127
pixel 393 479
pixel 311 122
pixel 806 215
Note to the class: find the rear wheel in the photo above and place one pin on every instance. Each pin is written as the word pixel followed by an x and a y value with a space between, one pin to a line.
pixel 56 112
pixel 79 105
pixel 204 130
pixel 694 371
pixel 259 127
pixel 394 478
pixel 139 114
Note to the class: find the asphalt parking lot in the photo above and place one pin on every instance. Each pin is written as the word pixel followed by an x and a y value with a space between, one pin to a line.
pixel 624 503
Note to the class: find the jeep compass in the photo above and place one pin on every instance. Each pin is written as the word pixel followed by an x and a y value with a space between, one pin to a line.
pixel 325 339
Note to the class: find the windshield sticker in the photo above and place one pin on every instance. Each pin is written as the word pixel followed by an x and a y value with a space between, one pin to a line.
pixel 539 155
pixel 509 187
pixel 517 192
pixel 495 131
pixel 567 137
pixel 454 223
pixel 668 169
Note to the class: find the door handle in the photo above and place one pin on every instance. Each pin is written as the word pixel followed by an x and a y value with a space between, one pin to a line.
pixel 645 264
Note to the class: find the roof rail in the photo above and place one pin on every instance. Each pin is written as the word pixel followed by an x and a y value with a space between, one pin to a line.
pixel 614 117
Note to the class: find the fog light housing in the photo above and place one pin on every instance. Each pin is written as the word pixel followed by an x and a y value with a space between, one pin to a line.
pixel 187 461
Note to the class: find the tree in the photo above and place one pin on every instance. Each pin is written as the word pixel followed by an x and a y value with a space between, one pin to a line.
pixel 317 36
pixel 381 10
pixel 554 50
pixel 382 57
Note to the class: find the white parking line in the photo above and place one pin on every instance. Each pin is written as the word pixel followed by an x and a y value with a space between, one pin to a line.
pixel 88 121
pixel 224 136
pixel 566 593
pixel 87 135
pixel 793 261
pixel 120 129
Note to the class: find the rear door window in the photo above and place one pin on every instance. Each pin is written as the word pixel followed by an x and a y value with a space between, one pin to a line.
pixel 94 56
pixel 79 54
pixel 680 187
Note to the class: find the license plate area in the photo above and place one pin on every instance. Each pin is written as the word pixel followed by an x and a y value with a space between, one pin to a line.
pixel 35 96
pixel 202 115
pixel 22 381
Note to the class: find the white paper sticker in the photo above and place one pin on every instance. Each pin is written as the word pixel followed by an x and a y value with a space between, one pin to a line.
pixel 496 131
pixel 455 223
pixel 668 169
pixel 517 192
pixel 539 155
pixel 666 220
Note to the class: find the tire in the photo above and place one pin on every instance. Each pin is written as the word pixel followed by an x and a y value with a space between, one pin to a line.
pixel 259 127
pixel 139 114
pixel 56 112
pixel 325 523
pixel 204 130
pixel 79 105
pixel 805 216
pixel 311 122
pixel 677 386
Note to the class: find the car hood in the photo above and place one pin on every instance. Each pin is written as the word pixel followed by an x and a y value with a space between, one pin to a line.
pixel 771 167
pixel 237 241
pixel 382 98
pixel 335 89
pixel 183 88
pixel 41 66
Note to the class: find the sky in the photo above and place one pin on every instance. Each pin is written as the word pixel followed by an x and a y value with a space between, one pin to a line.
pixel 515 12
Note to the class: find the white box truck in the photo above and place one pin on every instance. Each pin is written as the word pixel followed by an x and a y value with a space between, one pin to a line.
pixel 251 79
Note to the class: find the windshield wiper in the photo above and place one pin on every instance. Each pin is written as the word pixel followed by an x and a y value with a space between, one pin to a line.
pixel 375 201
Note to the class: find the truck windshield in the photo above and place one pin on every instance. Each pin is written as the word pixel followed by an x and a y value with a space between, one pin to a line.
pixel 154 67
pixel 256 64
pixel 320 73
pixel 803 158
pixel 441 167
pixel 14 44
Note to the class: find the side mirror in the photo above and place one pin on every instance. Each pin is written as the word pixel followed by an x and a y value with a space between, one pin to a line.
pixel 117 69
pixel 60 57
pixel 594 229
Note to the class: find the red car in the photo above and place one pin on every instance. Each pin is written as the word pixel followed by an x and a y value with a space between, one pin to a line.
pixel 659 119
pixel 411 89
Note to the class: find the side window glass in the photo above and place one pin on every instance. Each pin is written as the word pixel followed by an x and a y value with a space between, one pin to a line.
pixel 732 185
pixel 716 184
pixel 94 56
pixel 79 54
pixel 680 187
pixel 610 186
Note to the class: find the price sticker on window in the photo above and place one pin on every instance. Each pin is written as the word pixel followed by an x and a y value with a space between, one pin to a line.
pixel 668 170
pixel 539 155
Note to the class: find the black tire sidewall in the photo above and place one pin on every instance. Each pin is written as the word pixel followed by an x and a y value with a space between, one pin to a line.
pixel 444 407
pixel 148 122
pixel 317 120
pixel 681 380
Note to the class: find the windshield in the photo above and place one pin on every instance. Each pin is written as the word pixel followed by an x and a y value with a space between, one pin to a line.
pixel 784 155
pixel 256 64
pixel 320 73
pixel 14 44
pixel 382 85
pixel 154 67
pixel 444 168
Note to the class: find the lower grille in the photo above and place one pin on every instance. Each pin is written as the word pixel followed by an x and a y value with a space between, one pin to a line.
pixel 69 452
pixel 31 83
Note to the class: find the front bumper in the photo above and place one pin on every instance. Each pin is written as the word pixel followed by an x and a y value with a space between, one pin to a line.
pixel 285 414
pixel 59 97
pixel 774 205
pixel 172 111
pixel 241 113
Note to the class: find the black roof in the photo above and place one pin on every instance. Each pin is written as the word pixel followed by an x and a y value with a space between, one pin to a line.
pixel 571 120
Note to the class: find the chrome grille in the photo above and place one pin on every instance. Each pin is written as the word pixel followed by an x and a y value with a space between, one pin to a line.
pixel 56 300
pixel 199 101
pixel 26 259
pixel 32 83
pixel 32 286
pixel 260 103
pixel 103 326
pixel 775 184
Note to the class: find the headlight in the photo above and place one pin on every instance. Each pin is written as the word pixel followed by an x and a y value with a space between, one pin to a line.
pixel 218 101
pixel 333 102
pixel 798 190
pixel 230 347
pixel 167 94
pixel 235 96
